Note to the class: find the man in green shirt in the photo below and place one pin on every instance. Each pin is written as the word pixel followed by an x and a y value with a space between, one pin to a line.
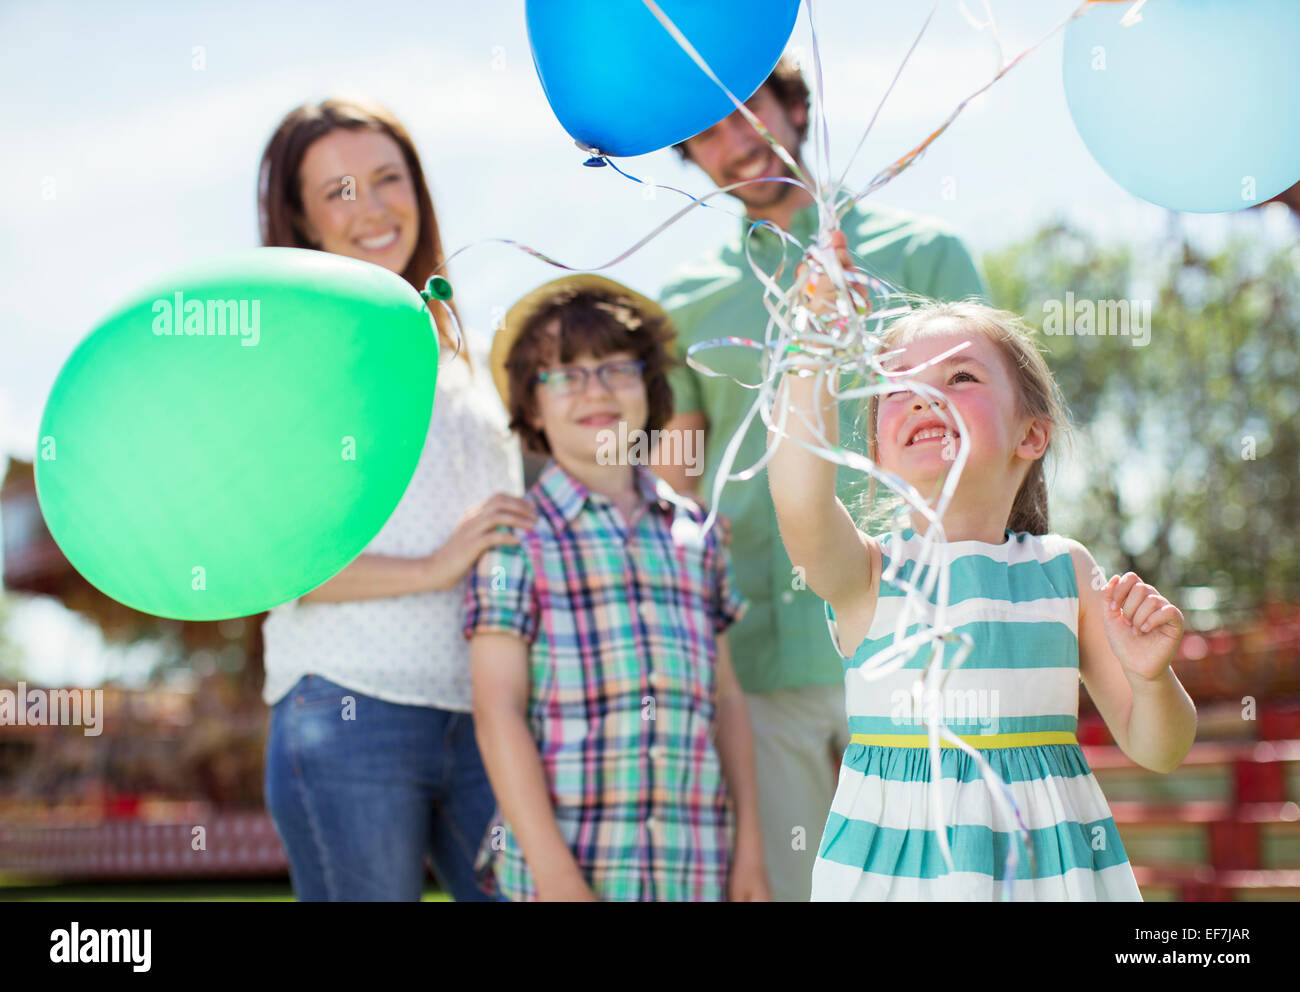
pixel 783 654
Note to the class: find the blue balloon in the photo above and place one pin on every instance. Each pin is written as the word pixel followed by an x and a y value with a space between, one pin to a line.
pixel 1193 107
pixel 620 83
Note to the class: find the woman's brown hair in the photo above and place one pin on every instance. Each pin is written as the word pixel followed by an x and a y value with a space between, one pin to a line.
pixel 279 193
pixel 1037 396
pixel 580 322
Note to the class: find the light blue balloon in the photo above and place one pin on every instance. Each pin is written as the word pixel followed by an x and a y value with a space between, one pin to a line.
pixel 618 81
pixel 1195 106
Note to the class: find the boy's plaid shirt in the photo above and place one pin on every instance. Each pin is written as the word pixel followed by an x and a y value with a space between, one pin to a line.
pixel 623 628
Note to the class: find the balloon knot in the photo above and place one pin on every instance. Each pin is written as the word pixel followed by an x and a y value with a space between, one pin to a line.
pixel 437 288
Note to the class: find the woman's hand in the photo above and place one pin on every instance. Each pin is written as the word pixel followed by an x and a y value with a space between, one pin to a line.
pixel 482 527
pixel 1143 627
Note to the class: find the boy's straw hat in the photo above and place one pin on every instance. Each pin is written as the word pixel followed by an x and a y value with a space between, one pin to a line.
pixel 517 317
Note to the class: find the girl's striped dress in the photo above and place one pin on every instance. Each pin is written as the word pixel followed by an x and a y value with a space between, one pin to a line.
pixel 1015 699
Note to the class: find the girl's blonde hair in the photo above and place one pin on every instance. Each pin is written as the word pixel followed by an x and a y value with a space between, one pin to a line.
pixel 1037 396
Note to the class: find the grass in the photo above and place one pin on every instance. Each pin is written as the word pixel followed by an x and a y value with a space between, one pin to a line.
pixel 14 890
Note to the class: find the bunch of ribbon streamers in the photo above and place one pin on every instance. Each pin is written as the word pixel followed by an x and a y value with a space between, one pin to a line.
pixel 848 347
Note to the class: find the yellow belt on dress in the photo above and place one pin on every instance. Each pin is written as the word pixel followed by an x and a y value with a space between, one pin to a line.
pixel 981 741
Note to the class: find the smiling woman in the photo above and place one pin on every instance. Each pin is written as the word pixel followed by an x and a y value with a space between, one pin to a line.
pixel 343 176
pixel 371 758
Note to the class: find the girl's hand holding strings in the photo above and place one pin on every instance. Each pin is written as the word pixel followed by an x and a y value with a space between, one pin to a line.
pixel 820 295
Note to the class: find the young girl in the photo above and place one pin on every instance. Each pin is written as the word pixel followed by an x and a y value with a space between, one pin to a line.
pixel 1039 621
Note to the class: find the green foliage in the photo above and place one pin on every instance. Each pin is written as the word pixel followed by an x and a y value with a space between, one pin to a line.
pixel 1186 451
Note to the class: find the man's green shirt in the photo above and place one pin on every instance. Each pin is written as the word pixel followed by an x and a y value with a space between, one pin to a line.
pixel 782 641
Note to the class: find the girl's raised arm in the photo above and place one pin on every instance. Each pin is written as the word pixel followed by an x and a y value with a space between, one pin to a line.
pixel 819 534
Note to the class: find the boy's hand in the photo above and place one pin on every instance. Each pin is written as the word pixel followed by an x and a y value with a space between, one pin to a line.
pixel 571 888
pixel 1143 627
pixel 748 879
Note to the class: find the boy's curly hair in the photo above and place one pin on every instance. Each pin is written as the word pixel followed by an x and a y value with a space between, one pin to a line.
pixel 586 322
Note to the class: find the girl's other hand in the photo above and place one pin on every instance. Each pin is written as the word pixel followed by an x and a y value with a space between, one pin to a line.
pixel 1143 627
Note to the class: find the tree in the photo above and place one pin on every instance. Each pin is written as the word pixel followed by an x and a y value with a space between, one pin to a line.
pixel 1186 454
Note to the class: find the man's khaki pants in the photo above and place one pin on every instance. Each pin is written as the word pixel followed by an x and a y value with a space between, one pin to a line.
pixel 799 738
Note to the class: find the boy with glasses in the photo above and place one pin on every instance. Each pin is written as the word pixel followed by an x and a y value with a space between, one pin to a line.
pixel 600 664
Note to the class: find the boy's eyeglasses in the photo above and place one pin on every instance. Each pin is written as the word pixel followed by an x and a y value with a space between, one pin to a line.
pixel 573 380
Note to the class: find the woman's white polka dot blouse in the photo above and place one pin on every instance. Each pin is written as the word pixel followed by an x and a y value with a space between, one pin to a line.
pixel 408 649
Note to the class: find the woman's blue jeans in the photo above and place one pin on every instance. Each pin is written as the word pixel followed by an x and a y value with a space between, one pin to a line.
pixel 361 790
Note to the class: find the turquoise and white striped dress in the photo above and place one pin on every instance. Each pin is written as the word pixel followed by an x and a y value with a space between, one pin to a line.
pixel 1016 699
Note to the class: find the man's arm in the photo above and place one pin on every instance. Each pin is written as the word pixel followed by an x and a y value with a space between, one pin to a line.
pixel 684 478
pixel 689 415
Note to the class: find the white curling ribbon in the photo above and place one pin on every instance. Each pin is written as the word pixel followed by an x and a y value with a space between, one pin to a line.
pixel 853 348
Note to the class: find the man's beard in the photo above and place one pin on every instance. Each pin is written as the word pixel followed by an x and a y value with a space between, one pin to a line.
pixel 768 191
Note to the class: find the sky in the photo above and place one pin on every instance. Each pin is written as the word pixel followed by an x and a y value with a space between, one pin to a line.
pixel 133 132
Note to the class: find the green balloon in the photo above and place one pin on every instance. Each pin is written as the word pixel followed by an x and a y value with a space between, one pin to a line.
pixel 237 433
